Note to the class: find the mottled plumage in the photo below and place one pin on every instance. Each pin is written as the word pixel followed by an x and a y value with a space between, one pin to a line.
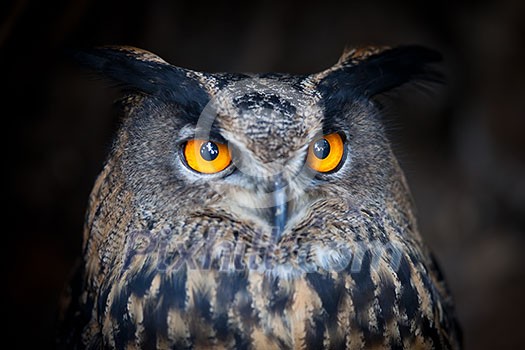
pixel 268 253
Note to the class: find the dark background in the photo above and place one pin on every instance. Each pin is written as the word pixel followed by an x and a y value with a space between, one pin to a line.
pixel 463 148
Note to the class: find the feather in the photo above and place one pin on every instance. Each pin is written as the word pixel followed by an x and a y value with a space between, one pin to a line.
pixel 142 71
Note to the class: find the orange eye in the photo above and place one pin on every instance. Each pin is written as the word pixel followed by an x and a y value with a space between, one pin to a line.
pixel 206 157
pixel 325 154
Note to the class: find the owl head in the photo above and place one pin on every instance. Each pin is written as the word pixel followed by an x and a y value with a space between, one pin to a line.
pixel 286 156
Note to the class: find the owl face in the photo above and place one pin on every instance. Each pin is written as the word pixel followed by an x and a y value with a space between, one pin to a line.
pixel 265 130
pixel 265 163
pixel 258 211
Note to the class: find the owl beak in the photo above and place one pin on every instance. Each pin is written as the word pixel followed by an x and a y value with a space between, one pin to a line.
pixel 280 208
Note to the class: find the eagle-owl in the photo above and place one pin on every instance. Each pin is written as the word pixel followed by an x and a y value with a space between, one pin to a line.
pixel 256 211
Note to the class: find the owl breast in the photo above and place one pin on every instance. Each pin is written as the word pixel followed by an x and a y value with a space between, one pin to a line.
pixel 229 290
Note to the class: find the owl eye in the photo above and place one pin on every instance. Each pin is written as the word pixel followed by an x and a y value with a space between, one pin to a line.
pixel 206 157
pixel 325 153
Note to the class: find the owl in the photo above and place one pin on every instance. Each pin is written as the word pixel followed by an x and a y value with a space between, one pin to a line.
pixel 256 211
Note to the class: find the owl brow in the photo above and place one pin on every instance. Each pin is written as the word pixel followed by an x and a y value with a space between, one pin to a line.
pixel 213 134
pixel 332 121
pixel 201 126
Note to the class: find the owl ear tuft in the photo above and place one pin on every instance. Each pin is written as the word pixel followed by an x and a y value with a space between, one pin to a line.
pixel 352 56
pixel 367 72
pixel 139 70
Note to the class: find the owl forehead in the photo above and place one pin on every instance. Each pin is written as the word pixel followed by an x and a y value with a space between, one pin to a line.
pixel 271 118
pixel 259 102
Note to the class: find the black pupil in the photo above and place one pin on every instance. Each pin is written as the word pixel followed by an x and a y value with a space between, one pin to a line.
pixel 321 149
pixel 209 151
